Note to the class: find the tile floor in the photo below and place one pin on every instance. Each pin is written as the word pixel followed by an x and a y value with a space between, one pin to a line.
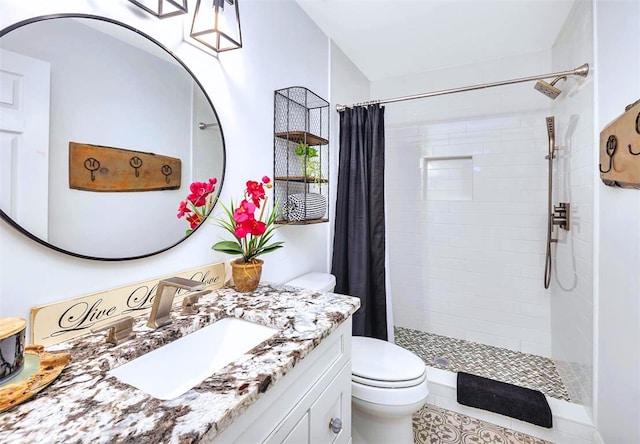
pixel 523 369
pixel 434 425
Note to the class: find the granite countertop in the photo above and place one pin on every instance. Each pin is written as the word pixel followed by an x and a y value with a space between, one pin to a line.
pixel 84 404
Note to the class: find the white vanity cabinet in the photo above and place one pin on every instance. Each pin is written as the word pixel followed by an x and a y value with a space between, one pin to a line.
pixel 310 420
pixel 299 408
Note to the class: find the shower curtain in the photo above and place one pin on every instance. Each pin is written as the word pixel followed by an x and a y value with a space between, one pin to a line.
pixel 359 240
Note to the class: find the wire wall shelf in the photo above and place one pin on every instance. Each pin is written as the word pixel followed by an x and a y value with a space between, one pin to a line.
pixel 301 156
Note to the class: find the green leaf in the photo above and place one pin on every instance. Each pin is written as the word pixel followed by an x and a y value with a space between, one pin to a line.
pixel 229 247
pixel 272 247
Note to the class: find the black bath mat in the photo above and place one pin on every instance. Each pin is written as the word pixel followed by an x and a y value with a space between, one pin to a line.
pixel 507 399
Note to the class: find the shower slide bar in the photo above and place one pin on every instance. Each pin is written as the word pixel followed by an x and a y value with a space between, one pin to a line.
pixel 582 71
pixel 557 214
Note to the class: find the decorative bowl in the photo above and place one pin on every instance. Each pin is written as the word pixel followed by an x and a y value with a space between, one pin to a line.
pixel 12 341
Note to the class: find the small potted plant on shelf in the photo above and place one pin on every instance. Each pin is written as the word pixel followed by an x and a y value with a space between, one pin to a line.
pixel 311 167
pixel 251 235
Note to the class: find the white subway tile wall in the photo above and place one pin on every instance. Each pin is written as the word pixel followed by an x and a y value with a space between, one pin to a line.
pixel 572 284
pixel 467 260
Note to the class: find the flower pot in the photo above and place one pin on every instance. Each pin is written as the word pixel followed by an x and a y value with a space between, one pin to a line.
pixel 246 276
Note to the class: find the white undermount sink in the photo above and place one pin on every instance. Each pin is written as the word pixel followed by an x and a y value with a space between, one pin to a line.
pixel 175 368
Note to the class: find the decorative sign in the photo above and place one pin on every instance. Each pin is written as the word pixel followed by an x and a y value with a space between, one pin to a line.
pixel 102 168
pixel 64 320
pixel 620 150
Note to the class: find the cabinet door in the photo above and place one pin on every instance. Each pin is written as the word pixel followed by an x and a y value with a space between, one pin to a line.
pixel 333 403
pixel 300 432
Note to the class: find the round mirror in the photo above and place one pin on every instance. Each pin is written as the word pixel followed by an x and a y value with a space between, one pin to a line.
pixel 77 80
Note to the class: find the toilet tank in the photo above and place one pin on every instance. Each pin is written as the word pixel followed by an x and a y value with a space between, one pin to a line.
pixel 315 281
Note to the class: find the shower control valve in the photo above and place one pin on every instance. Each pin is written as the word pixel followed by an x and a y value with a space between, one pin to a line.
pixel 561 215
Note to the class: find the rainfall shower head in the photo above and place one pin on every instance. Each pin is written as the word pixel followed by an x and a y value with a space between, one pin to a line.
pixel 549 89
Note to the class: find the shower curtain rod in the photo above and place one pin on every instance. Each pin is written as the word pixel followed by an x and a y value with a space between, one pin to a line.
pixel 581 71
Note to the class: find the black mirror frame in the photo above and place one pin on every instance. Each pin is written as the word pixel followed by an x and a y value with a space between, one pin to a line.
pixel 220 182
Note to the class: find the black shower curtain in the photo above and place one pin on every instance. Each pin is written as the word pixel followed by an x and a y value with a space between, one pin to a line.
pixel 359 239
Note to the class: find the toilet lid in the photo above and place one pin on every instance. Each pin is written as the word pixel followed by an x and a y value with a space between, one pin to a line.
pixel 391 365
pixel 314 281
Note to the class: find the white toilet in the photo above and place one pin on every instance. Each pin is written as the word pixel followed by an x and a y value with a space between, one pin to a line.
pixel 388 383
pixel 315 281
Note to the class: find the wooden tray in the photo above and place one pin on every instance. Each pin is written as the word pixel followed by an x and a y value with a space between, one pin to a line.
pixel 40 369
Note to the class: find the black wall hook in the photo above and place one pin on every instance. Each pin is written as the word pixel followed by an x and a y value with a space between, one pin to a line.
pixel 92 165
pixel 136 163
pixel 612 145
pixel 637 131
pixel 166 170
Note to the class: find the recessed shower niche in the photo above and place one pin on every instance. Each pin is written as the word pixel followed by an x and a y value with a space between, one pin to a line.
pixel 447 178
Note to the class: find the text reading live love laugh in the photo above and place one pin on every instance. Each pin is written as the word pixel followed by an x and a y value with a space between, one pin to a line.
pixel 58 322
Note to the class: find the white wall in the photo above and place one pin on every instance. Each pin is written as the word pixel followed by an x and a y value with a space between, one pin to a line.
pixel 282 48
pixel 618 306
pixel 470 268
pixel 572 279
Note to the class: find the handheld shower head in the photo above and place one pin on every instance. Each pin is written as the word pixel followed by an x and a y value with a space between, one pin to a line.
pixel 551 133
pixel 549 89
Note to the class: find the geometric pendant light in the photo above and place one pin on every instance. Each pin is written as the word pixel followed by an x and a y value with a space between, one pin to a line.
pixel 216 24
pixel 162 8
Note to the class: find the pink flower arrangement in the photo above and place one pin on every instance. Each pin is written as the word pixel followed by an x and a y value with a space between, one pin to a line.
pixel 196 207
pixel 252 235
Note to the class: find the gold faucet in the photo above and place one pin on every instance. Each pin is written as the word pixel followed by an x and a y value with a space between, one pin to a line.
pixel 161 310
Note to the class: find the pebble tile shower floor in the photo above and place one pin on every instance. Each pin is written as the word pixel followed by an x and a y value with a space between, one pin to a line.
pixel 523 369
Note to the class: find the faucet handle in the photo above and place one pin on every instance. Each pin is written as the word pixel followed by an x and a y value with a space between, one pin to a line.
pixel 190 301
pixel 118 330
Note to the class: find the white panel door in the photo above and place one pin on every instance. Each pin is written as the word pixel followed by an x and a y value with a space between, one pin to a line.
pixel 24 140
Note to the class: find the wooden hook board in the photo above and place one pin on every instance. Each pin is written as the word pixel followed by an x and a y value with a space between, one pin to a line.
pixel 620 150
pixel 103 168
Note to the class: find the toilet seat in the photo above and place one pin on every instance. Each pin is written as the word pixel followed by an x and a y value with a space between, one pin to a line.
pixel 392 397
pixel 382 364
pixel 389 384
pixel 386 374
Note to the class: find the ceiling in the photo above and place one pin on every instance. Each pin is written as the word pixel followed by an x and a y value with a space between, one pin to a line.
pixel 389 38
